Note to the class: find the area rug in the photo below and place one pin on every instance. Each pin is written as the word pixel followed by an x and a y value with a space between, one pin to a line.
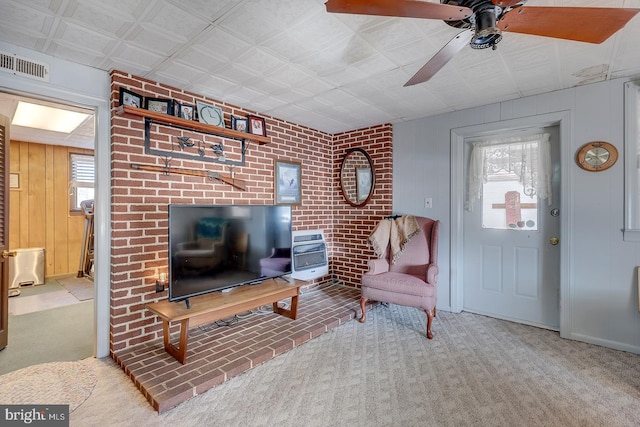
pixel 79 287
pixel 55 383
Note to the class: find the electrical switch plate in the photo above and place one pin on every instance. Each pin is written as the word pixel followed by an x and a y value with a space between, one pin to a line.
pixel 428 203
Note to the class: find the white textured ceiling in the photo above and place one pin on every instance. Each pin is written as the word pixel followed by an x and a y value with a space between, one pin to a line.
pixel 292 60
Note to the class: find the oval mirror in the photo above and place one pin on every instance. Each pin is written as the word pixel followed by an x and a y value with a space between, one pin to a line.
pixel 357 177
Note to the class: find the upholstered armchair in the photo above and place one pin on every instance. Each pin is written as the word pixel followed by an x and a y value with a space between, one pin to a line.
pixel 411 279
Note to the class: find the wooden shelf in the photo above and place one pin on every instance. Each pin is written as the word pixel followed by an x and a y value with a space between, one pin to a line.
pixel 191 124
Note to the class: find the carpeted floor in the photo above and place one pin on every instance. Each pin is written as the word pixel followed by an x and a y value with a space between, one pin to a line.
pixel 476 371
pixel 55 383
pixel 58 334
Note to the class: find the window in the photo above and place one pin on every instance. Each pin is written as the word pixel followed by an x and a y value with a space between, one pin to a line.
pixel 509 175
pixel 81 180
pixel 632 161
pixel 507 205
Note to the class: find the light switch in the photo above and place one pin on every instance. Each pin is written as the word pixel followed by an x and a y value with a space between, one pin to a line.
pixel 428 203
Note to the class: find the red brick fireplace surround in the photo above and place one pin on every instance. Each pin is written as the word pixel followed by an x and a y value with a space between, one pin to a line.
pixel 139 200
pixel 219 353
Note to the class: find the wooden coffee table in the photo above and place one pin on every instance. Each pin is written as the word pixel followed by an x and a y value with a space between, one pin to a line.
pixel 222 304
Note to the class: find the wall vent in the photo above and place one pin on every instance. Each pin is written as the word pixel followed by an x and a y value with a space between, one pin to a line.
pixel 25 67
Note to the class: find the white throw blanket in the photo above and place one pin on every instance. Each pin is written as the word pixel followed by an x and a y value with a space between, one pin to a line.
pixel 395 232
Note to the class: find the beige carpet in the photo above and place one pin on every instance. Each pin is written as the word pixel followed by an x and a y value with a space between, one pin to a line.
pixel 56 383
pixel 79 287
pixel 477 371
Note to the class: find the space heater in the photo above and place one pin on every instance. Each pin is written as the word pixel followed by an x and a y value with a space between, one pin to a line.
pixel 309 255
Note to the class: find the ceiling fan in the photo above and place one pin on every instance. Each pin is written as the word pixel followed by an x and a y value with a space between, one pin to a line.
pixel 484 21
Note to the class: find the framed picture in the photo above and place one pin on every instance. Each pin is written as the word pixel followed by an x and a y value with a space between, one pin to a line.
pixel 287 183
pixel 186 111
pixel 257 126
pixel 209 114
pixel 14 181
pixel 239 123
pixel 159 105
pixel 175 107
pixel 363 183
pixel 130 99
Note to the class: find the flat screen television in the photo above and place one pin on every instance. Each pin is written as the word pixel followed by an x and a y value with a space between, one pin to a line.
pixel 214 247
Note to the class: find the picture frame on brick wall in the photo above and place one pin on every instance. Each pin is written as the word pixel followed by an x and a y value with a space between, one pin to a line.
pixel 186 111
pixel 240 124
pixel 257 126
pixel 159 105
pixel 130 98
pixel 287 180
pixel 175 107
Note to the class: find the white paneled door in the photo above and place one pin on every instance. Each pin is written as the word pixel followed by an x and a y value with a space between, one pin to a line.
pixel 511 242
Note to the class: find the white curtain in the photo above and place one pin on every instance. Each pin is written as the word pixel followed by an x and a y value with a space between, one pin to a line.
pixel 528 157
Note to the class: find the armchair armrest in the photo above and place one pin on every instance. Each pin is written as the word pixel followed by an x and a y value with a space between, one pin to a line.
pixel 378 266
pixel 432 272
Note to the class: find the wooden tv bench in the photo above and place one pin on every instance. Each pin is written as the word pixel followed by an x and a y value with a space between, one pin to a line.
pixel 222 304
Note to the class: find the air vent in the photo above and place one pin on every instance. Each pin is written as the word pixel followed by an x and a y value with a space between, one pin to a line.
pixel 25 67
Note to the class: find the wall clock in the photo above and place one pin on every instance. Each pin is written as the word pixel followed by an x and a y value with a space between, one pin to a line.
pixel 210 114
pixel 597 156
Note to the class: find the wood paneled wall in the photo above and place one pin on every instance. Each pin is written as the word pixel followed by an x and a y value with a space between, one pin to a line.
pixel 39 215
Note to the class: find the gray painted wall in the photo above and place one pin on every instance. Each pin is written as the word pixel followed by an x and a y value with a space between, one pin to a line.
pixel 599 297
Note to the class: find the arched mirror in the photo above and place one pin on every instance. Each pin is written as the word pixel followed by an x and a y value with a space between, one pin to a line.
pixel 357 177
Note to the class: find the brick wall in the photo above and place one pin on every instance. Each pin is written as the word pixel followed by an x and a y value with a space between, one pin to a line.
pixel 139 198
pixel 352 225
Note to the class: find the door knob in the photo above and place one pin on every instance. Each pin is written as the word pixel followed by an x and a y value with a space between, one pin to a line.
pixel 554 241
pixel 7 254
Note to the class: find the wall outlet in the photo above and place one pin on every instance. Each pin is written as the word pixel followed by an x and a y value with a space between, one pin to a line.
pixel 428 203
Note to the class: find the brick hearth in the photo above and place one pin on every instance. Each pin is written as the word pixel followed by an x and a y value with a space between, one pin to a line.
pixel 217 353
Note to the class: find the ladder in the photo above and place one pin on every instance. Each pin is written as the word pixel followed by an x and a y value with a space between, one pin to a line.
pixel 86 252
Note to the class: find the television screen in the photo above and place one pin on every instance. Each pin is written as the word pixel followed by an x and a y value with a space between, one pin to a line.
pixel 213 247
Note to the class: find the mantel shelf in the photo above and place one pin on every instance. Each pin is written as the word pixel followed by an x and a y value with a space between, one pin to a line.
pixel 191 124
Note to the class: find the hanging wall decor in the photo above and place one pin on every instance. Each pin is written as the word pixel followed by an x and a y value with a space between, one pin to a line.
pixel 597 156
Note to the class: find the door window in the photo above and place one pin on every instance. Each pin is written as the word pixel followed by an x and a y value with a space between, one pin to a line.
pixel 505 206
pixel 509 176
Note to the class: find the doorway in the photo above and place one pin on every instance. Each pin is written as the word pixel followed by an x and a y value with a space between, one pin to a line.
pixel 51 319
pixel 560 119
pixel 512 227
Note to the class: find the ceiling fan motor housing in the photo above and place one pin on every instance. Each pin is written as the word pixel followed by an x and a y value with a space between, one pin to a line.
pixel 484 18
pixel 487 34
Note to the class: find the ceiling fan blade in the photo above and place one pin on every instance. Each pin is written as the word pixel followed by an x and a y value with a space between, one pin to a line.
pixel 585 24
pixel 441 58
pixel 403 8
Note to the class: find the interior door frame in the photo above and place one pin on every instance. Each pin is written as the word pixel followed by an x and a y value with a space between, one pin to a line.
pixel 5 141
pixel 102 152
pixel 562 119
